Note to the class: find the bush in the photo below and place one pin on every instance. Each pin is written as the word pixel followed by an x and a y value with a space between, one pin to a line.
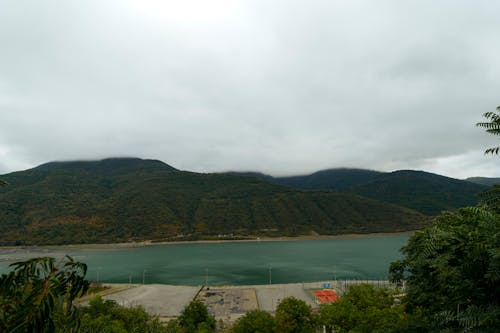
pixel 364 308
pixel 295 316
pixel 452 271
pixel 255 322
pixel 107 316
pixel 195 318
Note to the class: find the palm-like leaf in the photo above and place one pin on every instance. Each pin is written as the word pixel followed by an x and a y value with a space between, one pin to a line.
pixel 492 126
pixel 38 293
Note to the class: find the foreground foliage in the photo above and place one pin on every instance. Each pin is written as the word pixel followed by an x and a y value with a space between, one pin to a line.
pixel 452 272
pixel 193 319
pixel 37 295
pixel 294 315
pixel 492 126
pixel 256 321
pixel 491 197
pixel 364 308
pixel 105 316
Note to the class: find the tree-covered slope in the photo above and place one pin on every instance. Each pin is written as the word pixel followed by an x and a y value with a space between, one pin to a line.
pixel 422 191
pixel 425 192
pixel 130 199
pixel 332 179
pixel 487 181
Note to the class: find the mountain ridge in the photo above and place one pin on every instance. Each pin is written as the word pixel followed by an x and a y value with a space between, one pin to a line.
pixel 423 191
pixel 133 199
pixel 113 163
pixel 488 181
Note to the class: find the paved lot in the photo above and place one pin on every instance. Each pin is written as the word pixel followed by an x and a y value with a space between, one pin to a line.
pixel 159 299
pixel 229 303
pixel 268 296
pixel 225 302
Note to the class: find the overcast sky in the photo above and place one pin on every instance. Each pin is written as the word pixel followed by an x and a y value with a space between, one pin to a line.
pixel 279 86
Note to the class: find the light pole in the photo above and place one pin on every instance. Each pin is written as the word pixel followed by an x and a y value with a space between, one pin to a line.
pixel 144 277
pixel 270 280
pixel 206 278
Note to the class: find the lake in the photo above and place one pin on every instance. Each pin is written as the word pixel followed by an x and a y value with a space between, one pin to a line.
pixel 242 263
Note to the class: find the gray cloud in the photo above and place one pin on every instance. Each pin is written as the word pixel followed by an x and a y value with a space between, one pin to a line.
pixel 283 87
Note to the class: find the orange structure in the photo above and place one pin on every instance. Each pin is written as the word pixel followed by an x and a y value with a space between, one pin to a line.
pixel 325 296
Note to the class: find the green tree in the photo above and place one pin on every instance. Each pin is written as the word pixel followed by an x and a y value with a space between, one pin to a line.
pixel 37 295
pixel 107 316
pixel 255 322
pixel 295 316
pixel 492 126
pixel 102 324
pixel 452 271
pixel 195 318
pixel 363 308
pixel 491 198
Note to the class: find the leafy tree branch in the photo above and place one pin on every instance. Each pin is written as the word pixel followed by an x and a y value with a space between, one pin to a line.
pixel 492 126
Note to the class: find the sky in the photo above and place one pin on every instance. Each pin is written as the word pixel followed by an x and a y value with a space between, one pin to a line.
pixel 283 87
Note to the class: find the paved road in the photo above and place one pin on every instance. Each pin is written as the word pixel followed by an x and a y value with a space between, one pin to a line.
pixel 159 299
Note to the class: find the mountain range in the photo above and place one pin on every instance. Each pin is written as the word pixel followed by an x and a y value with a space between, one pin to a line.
pixel 422 191
pixel 484 181
pixel 129 199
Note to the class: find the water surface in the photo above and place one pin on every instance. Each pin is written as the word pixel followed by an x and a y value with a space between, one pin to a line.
pixel 242 263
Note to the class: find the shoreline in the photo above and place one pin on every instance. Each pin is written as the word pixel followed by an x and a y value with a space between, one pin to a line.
pixel 226 302
pixel 207 241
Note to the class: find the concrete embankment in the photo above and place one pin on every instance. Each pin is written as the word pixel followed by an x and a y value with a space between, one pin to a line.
pixel 224 302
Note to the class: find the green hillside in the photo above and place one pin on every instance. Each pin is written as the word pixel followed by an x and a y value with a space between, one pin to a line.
pixel 333 179
pixel 487 181
pixel 131 199
pixel 422 191
pixel 425 192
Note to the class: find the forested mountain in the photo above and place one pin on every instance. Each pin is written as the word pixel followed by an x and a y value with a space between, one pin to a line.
pixel 484 181
pixel 133 199
pixel 332 179
pixel 425 192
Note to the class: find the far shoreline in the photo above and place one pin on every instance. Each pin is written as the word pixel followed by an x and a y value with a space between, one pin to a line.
pixel 205 241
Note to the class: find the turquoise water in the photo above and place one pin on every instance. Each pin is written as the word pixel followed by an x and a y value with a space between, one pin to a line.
pixel 242 263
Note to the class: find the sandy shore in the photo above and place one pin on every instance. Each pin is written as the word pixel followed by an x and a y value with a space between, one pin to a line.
pixel 50 248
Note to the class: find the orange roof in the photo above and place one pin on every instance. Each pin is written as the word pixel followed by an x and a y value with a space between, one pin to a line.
pixel 325 296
